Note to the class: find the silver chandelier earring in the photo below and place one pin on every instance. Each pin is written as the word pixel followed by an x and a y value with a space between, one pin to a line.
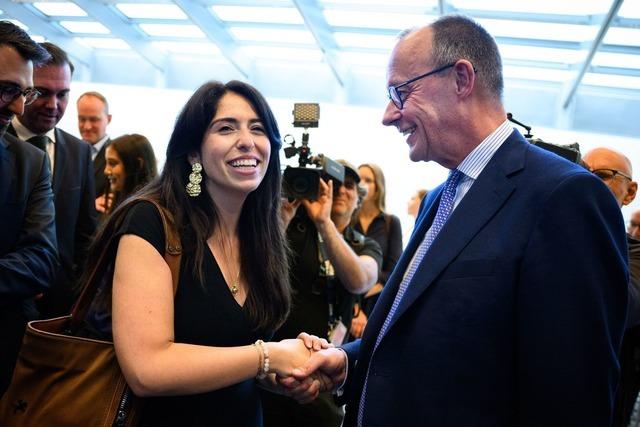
pixel 195 178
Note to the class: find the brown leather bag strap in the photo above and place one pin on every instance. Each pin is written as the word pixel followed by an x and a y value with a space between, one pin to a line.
pixel 172 256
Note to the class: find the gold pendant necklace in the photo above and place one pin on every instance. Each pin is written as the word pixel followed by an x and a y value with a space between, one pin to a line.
pixel 234 285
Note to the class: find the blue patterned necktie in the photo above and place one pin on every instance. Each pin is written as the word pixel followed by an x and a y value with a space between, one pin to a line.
pixel 444 209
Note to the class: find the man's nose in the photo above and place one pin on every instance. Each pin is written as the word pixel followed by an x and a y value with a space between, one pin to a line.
pixel 17 106
pixel 391 114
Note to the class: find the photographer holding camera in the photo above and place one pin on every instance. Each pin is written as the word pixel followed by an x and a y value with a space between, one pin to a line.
pixel 330 264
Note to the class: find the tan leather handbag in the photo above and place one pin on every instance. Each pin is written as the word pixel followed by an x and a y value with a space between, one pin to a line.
pixel 65 380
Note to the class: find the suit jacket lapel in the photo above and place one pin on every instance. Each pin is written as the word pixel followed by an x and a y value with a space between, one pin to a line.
pixel 487 195
pixel 60 161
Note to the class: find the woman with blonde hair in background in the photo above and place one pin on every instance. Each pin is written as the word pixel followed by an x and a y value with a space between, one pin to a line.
pixel 373 221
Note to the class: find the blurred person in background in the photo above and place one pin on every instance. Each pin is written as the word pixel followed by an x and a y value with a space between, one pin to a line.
pixel 130 164
pixel 414 202
pixel 93 119
pixel 373 221
pixel 634 225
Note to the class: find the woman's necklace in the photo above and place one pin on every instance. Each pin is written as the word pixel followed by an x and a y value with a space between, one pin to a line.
pixel 235 284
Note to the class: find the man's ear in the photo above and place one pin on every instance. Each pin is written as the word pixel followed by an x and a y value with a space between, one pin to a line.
pixel 108 118
pixel 465 77
pixel 631 193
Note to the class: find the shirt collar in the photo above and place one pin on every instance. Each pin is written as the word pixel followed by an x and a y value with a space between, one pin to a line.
pixel 24 133
pixel 478 158
pixel 98 145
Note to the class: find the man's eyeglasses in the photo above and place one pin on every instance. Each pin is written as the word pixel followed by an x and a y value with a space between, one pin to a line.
pixel 349 183
pixel 609 174
pixel 396 96
pixel 9 92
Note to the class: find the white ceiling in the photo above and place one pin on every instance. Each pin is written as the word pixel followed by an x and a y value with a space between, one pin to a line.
pixel 565 61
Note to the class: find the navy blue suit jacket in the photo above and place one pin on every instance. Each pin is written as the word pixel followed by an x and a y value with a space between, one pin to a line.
pixel 515 315
pixel 76 218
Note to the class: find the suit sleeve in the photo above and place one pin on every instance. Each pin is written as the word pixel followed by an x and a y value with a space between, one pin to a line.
pixel 30 267
pixel 352 349
pixel 571 307
pixel 87 216
pixel 394 249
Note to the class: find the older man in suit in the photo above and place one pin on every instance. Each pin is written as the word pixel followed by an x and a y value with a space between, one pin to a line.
pixel 72 173
pixel 93 119
pixel 28 257
pixel 508 306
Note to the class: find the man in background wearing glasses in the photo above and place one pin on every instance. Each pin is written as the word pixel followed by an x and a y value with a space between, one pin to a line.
pixel 508 306
pixel 615 170
pixel 72 175
pixel 28 255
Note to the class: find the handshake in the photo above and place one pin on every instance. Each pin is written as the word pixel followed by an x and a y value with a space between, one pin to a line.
pixel 304 367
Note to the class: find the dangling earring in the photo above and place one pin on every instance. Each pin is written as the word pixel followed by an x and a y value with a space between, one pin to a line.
pixel 195 178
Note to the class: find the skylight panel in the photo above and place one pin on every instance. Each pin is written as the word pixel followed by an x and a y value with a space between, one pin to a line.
pixel 533 53
pixel 60 9
pixel 172 30
pixel 151 11
pixel 630 9
pixel 283 53
pixel 398 21
pixel 361 40
pixel 85 27
pixel 273 35
pixel 187 48
pixel 617 60
pixel 580 8
pixel 611 80
pixel 103 43
pixel 539 30
pixel 623 36
pixel 398 3
pixel 378 60
pixel 540 74
pixel 277 15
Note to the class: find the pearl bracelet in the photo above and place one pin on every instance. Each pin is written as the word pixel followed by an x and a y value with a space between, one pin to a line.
pixel 263 363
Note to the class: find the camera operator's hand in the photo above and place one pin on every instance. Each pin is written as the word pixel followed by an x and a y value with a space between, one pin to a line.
pixel 319 210
pixel 288 210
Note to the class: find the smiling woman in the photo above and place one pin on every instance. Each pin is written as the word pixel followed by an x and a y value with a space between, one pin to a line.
pixel 195 357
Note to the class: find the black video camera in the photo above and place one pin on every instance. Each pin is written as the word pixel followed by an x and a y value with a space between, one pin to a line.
pixel 302 182
pixel 570 152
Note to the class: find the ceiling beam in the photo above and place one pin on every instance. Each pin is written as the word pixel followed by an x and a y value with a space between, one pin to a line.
pixel 311 12
pixel 39 25
pixel 124 30
pixel 606 23
pixel 216 31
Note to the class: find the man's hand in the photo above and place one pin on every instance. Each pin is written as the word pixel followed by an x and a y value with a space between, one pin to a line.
pixel 288 210
pixel 324 371
pixel 319 210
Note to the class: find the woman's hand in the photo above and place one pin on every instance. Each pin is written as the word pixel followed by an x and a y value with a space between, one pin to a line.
pixel 287 355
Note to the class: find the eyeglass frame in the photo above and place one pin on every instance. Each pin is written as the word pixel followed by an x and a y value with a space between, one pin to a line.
pixel 615 172
pixel 26 93
pixel 391 90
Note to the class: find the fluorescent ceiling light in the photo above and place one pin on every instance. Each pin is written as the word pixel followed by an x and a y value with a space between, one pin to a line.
pixel 283 53
pixel 151 11
pixel 190 48
pixel 59 9
pixel 85 27
pixel 273 35
pixel 172 30
pixel 539 74
pixel 278 15
pixel 103 43
pixel 361 40
pixel 611 80
pixel 580 8
pixel 623 36
pixel 539 30
pixel 532 53
pixel 352 18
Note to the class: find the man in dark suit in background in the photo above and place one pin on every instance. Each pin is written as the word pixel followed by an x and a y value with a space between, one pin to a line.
pixel 28 258
pixel 73 186
pixel 615 170
pixel 508 305
pixel 93 119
